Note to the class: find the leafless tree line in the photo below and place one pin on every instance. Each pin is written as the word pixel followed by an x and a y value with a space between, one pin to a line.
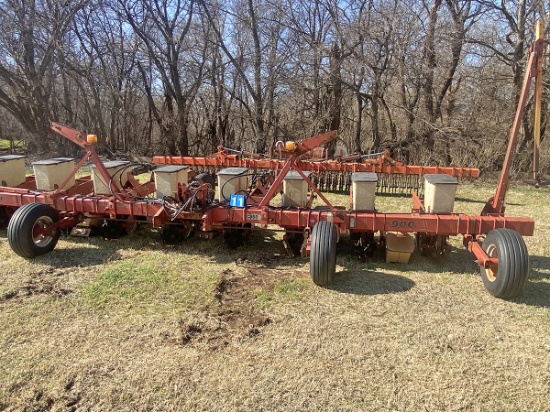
pixel 436 81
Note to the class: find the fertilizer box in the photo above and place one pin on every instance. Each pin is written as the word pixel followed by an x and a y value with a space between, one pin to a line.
pixel 399 247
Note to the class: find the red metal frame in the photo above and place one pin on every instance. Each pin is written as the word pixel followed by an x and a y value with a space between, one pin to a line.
pixel 76 200
pixel 79 138
pixel 379 165
pixel 495 205
pixel 437 224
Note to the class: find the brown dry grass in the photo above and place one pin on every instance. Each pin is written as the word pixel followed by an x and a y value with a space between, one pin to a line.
pixel 134 325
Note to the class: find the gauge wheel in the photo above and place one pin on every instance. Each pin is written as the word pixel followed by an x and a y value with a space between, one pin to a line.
pixel 322 256
pixel 507 279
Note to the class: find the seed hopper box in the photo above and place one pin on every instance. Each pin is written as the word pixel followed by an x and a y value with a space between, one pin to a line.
pixel 232 180
pixel 439 193
pixel 295 189
pixel 12 170
pixel 167 179
pixel 114 168
pixel 51 173
pixel 363 186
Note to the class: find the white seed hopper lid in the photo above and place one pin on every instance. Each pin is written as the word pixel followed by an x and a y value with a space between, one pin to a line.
pixel 364 177
pixel 5 158
pixel 233 171
pixel 294 175
pixel 171 169
pixel 440 179
pixel 53 161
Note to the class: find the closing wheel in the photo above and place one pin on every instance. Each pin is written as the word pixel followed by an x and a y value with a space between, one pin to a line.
pixel 322 255
pixel 32 231
pixel 508 278
pixel 111 229
pixel 171 235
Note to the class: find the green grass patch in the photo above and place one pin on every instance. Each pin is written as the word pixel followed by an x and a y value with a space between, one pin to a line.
pixel 6 144
pixel 292 286
pixel 147 284
pixel 285 290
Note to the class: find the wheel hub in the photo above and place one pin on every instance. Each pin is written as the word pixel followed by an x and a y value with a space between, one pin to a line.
pixel 492 270
pixel 42 231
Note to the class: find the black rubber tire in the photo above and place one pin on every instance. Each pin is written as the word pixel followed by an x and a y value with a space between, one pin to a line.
pixel 112 230
pixel 171 235
pixel 21 227
pixel 509 279
pixel 322 255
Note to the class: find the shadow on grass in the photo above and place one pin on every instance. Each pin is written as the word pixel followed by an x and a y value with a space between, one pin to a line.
pixel 470 200
pixel 370 283
pixel 540 267
pixel 77 257
pixel 458 261
pixel 263 248
pixel 536 293
pixel 537 289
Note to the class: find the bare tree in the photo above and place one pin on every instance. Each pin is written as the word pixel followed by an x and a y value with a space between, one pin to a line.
pixel 31 34
pixel 255 54
pixel 174 51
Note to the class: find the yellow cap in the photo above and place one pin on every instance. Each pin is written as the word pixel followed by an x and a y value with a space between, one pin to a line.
pixel 290 146
pixel 91 139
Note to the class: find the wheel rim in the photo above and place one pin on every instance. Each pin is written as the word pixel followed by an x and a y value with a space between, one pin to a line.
pixel 40 235
pixel 491 272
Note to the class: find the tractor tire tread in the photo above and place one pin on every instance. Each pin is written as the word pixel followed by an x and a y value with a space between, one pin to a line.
pixel 21 226
pixel 323 253
pixel 513 263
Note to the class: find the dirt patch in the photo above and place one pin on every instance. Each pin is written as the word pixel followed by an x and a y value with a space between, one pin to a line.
pixel 267 260
pixel 35 287
pixel 41 401
pixel 234 315
pixel 223 285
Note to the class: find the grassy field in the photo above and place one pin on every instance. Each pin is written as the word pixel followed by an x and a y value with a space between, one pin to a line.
pixel 133 325
pixel 6 144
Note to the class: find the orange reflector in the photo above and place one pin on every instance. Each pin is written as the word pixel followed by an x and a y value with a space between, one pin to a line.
pixel 290 146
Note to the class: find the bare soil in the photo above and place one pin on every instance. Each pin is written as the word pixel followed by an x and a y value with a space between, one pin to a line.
pixel 233 314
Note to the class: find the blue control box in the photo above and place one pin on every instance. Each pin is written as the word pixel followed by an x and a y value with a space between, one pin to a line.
pixel 237 200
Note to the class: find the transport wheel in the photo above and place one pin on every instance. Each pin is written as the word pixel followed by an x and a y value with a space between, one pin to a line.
pixel 322 256
pixel 30 230
pixel 508 279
